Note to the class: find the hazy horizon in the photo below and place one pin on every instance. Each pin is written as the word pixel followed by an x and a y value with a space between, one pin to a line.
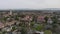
pixel 29 4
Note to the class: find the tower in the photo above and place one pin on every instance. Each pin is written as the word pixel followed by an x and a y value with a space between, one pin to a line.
pixel 10 12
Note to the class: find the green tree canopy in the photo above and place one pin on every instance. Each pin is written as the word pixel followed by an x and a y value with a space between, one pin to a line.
pixel 54 18
pixel 4 18
pixel 47 32
pixel 32 23
pixel 39 27
pixel 16 17
pixel 3 32
pixel 46 18
pixel 13 28
pixel 23 30
pixel 0 32
pixel 22 16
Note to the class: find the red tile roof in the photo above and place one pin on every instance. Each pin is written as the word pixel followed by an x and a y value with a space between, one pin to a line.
pixel 40 18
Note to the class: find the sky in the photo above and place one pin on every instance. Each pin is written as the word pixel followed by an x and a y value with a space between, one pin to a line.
pixel 29 4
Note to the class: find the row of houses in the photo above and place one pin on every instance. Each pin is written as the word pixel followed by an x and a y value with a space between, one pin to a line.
pixel 39 19
pixel 26 19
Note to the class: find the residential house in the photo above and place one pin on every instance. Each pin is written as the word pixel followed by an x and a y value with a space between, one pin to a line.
pixel 10 23
pixel 8 33
pixel 58 29
pixel 57 14
pixel 1 25
pixel 38 32
pixel 5 15
pixel 58 18
pixel 48 27
pixel 40 19
pixel 16 32
pixel 49 21
pixel 30 32
pixel 7 28
pixel 9 19
pixel 27 18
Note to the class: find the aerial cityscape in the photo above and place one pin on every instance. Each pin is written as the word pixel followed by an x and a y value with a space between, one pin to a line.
pixel 29 21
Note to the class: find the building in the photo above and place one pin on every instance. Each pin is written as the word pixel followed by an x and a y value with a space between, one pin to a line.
pixel 30 32
pixel 26 18
pixel 49 21
pixel 38 32
pixel 10 12
pixel 16 32
pixel 10 23
pixel 7 29
pixel 40 19
pixel 1 25
pixel 47 27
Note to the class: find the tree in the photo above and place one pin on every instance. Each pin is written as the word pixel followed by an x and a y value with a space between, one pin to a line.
pixel 34 18
pixel 54 25
pixel 4 18
pixel 47 32
pixel 12 16
pixel 13 28
pixel 3 32
pixel 16 17
pixel 23 30
pixel 54 19
pixel 0 32
pixel 32 24
pixel 39 27
pixel 46 18
pixel 22 16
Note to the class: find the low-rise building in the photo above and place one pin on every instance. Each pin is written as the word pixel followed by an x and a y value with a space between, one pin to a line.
pixel 27 18
pixel 40 19
pixel 47 27
pixel 8 28
pixel 10 23
pixel 49 21
pixel 38 32
pixel 16 32
pixel 1 25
